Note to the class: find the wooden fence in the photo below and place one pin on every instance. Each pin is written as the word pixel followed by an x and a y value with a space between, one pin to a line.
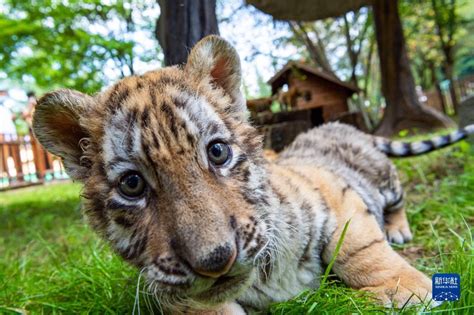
pixel 24 162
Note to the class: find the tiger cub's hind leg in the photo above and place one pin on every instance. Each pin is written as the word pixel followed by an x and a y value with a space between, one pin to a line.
pixel 366 260
pixel 397 229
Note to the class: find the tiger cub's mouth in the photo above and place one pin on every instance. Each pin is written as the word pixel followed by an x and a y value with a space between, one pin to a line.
pixel 210 291
pixel 225 287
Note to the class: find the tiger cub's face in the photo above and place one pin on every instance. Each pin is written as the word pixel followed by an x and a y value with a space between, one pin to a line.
pixel 172 172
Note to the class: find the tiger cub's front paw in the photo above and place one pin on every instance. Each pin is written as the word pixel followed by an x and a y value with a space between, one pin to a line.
pixel 410 288
pixel 397 228
pixel 398 233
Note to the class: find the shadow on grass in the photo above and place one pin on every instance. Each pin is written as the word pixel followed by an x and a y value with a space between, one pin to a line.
pixel 52 262
pixel 27 212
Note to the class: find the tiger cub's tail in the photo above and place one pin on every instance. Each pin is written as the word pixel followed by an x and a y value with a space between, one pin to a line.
pixel 406 149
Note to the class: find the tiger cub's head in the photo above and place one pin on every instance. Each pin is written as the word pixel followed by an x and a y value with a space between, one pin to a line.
pixel 172 172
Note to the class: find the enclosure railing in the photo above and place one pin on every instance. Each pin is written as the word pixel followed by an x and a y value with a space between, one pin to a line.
pixel 24 162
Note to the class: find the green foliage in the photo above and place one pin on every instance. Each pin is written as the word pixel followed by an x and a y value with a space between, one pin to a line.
pixel 52 43
pixel 465 50
pixel 264 90
pixel 430 28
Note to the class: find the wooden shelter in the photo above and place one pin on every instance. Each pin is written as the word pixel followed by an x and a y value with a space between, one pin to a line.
pixel 308 98
pixel 310 88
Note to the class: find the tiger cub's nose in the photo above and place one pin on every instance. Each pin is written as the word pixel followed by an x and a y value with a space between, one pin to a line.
pixel 218 262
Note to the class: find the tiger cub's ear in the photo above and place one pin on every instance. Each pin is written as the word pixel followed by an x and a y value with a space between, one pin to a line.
pixel 56 126
pixel 215 60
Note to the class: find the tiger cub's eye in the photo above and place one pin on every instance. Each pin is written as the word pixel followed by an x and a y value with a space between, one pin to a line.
pixel 219 153
pixel 132 185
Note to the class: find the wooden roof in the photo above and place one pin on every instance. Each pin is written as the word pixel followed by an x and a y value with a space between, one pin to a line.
pixel 281 77
pixel 307 10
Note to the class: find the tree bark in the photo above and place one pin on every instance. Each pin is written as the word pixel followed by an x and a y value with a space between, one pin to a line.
pixel 448 70
pixel 368 64
pixel 445 31
pixel 352 51
pixel 403 110
pixel 435 83
pixel 182 23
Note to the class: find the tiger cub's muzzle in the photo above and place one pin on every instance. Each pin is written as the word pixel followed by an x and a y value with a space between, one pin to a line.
pixel 218 262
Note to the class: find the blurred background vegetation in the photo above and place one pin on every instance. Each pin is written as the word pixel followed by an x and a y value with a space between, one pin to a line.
pixel 86 45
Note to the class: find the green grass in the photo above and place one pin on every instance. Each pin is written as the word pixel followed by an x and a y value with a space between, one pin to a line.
pixel 51 262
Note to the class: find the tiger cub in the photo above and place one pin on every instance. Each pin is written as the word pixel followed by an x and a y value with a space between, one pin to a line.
pixel 175 180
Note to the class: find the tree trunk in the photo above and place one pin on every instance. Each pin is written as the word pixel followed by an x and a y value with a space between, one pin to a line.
pixel 446 29
pixel 449 74
pixel 182 24
pixel 435 83
pixel 353 56
pixel 403 110
pixel 368 65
